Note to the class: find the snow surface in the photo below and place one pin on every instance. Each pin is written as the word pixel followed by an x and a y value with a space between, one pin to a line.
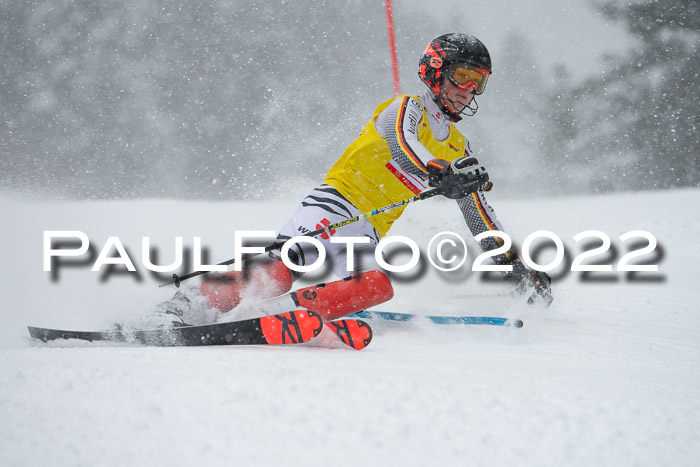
pixel 609 375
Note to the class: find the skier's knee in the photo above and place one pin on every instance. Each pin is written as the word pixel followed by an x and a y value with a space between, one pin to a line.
pixel 264 280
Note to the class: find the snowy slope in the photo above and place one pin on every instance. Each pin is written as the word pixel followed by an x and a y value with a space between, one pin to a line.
pixel 609 375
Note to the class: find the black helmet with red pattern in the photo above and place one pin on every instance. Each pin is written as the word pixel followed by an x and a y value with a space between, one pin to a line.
pixel 462 58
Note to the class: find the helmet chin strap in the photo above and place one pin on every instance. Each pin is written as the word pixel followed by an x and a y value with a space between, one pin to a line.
pixel 457 116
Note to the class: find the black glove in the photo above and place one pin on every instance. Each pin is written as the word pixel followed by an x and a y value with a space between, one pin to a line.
pixel 536 284
pixel 458 179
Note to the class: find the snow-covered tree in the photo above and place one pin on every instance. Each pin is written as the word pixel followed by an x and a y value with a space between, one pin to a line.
pixel 637 115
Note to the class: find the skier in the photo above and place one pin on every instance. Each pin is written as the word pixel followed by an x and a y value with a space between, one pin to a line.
pixel 409 145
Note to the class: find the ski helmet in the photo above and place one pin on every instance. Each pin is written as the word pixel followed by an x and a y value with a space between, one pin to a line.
pixel 446 51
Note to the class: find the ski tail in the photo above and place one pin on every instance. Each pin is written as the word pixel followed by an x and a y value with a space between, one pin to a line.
pixel 46 335
pixel 354 333
pixel 293 327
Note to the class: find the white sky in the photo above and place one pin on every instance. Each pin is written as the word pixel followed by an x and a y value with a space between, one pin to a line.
pixel 568 31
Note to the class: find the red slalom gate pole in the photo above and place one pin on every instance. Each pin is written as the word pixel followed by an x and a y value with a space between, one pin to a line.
pixel 392 45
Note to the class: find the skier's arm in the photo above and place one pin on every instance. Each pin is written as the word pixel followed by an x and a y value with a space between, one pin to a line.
pixel 481 217
pixel 399 124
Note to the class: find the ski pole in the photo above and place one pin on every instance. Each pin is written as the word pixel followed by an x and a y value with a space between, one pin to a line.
pixel 421 196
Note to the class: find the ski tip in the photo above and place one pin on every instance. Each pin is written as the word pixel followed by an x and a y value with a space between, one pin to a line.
pixel 368 336
pixel 354 333
pixel 318 321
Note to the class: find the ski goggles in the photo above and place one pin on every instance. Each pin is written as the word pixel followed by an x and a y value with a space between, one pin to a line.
pixel 464 76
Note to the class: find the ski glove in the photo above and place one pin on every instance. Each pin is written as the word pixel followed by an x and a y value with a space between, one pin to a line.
pixel 458 179
pixel 539 285
pixel 536 284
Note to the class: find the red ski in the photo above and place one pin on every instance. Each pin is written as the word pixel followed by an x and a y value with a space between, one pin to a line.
pixel 293 327
pixel 354 333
